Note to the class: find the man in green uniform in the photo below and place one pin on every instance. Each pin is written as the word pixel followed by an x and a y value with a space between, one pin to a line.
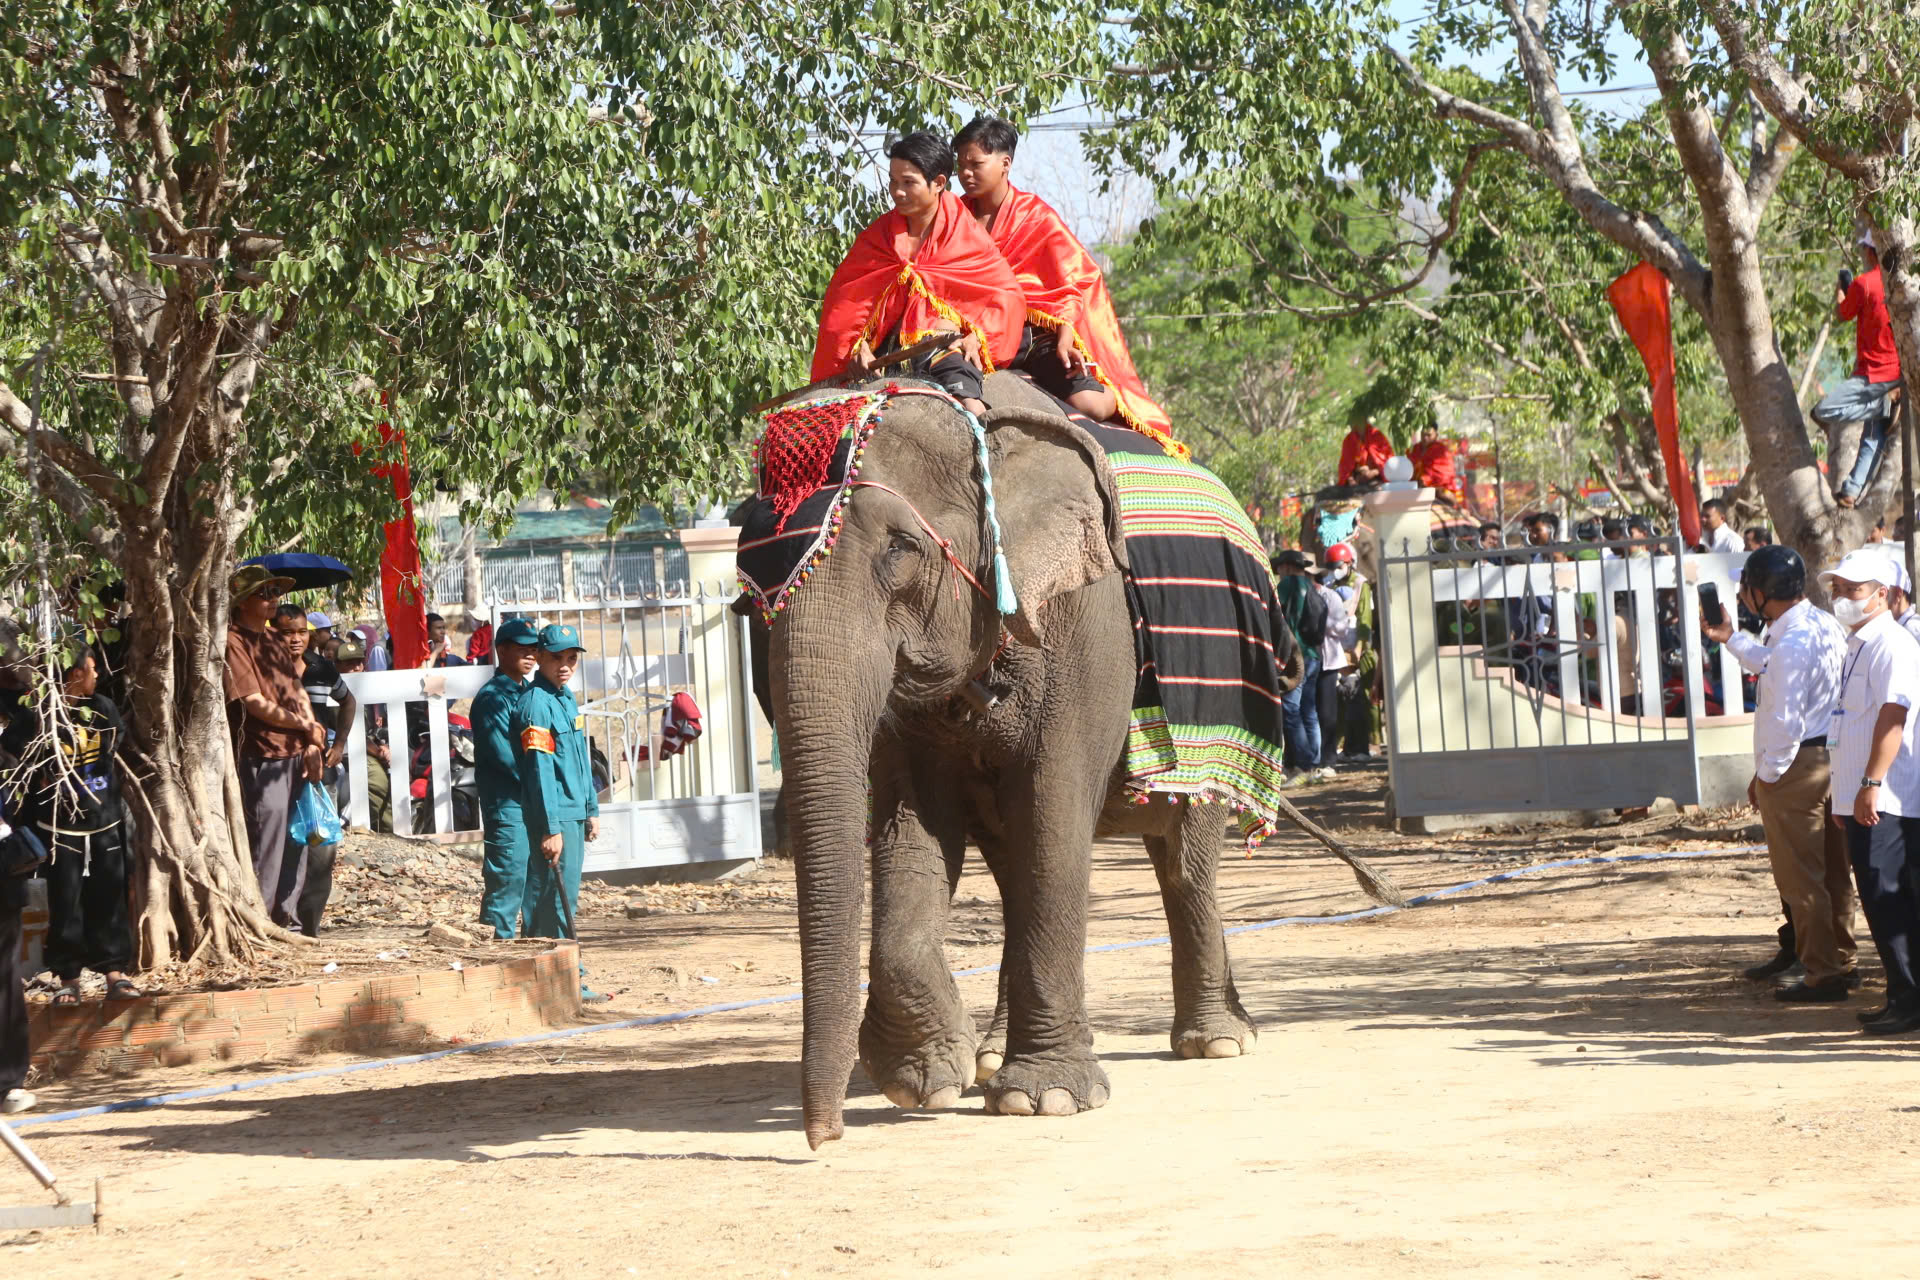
pixel 559 804
pixel 496 775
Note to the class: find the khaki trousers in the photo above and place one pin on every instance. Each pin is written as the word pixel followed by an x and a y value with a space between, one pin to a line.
pixel 1810 864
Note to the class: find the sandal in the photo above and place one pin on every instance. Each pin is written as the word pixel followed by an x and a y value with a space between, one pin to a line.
pixel 68 994
pixel 122 989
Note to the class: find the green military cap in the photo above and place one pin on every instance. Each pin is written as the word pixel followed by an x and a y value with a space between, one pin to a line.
pixel 557 637
pixel 517 631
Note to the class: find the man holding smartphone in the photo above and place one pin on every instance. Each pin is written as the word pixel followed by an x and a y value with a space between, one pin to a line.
pixel 1799 662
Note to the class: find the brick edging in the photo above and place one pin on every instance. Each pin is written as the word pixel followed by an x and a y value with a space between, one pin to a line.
pixel 368 1015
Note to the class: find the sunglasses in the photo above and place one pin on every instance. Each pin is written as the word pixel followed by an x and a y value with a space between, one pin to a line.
pixel 269 593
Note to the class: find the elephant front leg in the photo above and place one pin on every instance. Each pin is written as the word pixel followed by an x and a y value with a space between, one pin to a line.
pixel 1208 1018
pixel 917 1040
pixel 992 1052
pixel 1050 1068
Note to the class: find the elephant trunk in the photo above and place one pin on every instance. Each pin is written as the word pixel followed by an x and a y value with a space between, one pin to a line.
pixel 827 704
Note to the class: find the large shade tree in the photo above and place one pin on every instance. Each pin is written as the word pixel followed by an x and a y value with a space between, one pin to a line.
pixel 551 238
pixel 1271 110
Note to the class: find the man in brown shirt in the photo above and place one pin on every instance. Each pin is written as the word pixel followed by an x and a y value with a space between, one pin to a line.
pixel 277 742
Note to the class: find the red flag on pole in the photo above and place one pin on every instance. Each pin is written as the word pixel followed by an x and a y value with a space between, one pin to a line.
pixel 1642 300
pixel 403 595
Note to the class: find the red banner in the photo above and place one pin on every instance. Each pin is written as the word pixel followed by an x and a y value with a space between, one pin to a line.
pixel 1642 300
pixel 403 594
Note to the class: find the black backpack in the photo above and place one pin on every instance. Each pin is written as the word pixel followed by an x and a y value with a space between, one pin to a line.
pixel 1313 618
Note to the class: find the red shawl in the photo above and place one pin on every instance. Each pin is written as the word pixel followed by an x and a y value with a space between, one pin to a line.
pixel 1064 284
pixel 955 280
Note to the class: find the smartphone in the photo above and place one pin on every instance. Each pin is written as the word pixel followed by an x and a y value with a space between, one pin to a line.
pixel 1846 280
pixel 1710 611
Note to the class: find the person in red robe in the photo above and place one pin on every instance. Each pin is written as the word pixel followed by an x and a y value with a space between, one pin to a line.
pixel 1364 454
pixel 1072 346
pixel 1432 460
pixel 923 269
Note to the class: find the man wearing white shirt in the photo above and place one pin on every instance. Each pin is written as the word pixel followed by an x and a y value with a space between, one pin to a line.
pixel 1719 534
pixel 1900 596
pixel 1876 774
pixel 1799 664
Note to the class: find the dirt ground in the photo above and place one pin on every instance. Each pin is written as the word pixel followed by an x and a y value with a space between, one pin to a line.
pixel 1555 1075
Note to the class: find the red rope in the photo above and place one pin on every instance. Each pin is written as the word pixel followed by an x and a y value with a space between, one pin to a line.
pixel 946 544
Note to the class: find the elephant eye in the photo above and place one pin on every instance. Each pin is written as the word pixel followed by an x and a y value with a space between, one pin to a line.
pixel 903 544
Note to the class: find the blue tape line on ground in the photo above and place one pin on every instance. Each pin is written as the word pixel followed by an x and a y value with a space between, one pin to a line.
pixel 661 1019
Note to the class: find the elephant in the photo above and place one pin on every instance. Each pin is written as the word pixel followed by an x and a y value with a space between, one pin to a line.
pixel 874 674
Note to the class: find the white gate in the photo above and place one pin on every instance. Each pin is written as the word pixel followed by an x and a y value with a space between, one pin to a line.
pixel 1563 677
pixel 700 805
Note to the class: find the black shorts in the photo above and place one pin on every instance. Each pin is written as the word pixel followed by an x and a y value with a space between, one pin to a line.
pixel 1040 357
pixel 949 370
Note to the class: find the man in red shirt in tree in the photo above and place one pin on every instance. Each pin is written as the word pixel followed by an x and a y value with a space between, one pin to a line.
pixel 1364 454
pixel 1432 460
pixel 1876 369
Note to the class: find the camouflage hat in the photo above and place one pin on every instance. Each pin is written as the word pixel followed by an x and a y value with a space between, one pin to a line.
pixel 253 578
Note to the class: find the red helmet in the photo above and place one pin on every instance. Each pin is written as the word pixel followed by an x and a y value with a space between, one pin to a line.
pixel 1339 553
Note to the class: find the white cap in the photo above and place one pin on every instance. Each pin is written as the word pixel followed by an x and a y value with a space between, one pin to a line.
pixel 1864 566
pixel 1899 558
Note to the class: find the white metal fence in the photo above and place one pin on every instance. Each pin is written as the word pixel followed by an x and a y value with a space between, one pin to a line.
pixel 641 650
pixel 1571 676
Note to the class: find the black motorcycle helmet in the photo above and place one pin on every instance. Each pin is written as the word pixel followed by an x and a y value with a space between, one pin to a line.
pixel 1775 573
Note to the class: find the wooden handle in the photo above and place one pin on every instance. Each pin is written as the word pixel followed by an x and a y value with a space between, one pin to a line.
pixel 926 346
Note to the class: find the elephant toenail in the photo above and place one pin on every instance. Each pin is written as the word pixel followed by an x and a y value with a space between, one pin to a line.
pixel 1015 1103
pixel 985 1065
pixel 942 1099
pixel 1223 1048
pixel 1058 1102
pixel 901 1096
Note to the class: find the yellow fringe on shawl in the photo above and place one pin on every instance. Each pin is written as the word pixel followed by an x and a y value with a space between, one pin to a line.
pixel 1172 447
pixel 961 325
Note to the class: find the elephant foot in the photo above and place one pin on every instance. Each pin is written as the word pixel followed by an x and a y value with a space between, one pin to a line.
pixel 1047 1086
pixel 931 1075
pixel 1223 1035
pixel 985 1063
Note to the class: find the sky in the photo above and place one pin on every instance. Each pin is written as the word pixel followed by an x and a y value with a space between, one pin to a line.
pixel 1050 162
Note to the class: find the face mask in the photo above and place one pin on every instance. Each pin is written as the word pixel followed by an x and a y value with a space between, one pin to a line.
pixel 1852 613
pixel 1337 574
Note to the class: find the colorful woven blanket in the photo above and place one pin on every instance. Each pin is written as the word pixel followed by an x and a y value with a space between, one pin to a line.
pixel 1207 631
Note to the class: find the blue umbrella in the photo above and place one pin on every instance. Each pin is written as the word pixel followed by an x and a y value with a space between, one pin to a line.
pixel 309 572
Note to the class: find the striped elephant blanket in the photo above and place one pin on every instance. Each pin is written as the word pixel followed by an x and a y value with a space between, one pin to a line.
pixel 1207 634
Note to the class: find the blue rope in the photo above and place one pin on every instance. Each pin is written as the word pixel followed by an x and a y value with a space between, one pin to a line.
pixel 663 1019
pixel 1002 579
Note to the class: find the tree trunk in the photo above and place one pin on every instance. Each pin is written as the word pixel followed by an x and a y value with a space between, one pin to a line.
pixel 197 893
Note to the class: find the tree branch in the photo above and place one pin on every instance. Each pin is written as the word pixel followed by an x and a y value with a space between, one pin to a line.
pixel 1565 167
pixel 75 459
pixel 1784 97
pixel 1773 151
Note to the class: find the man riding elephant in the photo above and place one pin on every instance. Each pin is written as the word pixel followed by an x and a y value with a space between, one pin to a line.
pixel 923 269
pixel 1072 345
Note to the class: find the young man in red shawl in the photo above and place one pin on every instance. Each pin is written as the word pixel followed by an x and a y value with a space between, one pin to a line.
pixel 1432 460
pixel 925 268
pixel 1364 454
pixel 1073 347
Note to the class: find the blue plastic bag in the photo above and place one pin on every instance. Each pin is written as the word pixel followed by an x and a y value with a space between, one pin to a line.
pixel 314 819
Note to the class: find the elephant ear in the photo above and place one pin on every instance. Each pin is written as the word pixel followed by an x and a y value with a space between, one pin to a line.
pixel 1059 516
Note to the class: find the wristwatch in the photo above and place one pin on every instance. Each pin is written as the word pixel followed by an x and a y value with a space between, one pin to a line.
pixel 1872 782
